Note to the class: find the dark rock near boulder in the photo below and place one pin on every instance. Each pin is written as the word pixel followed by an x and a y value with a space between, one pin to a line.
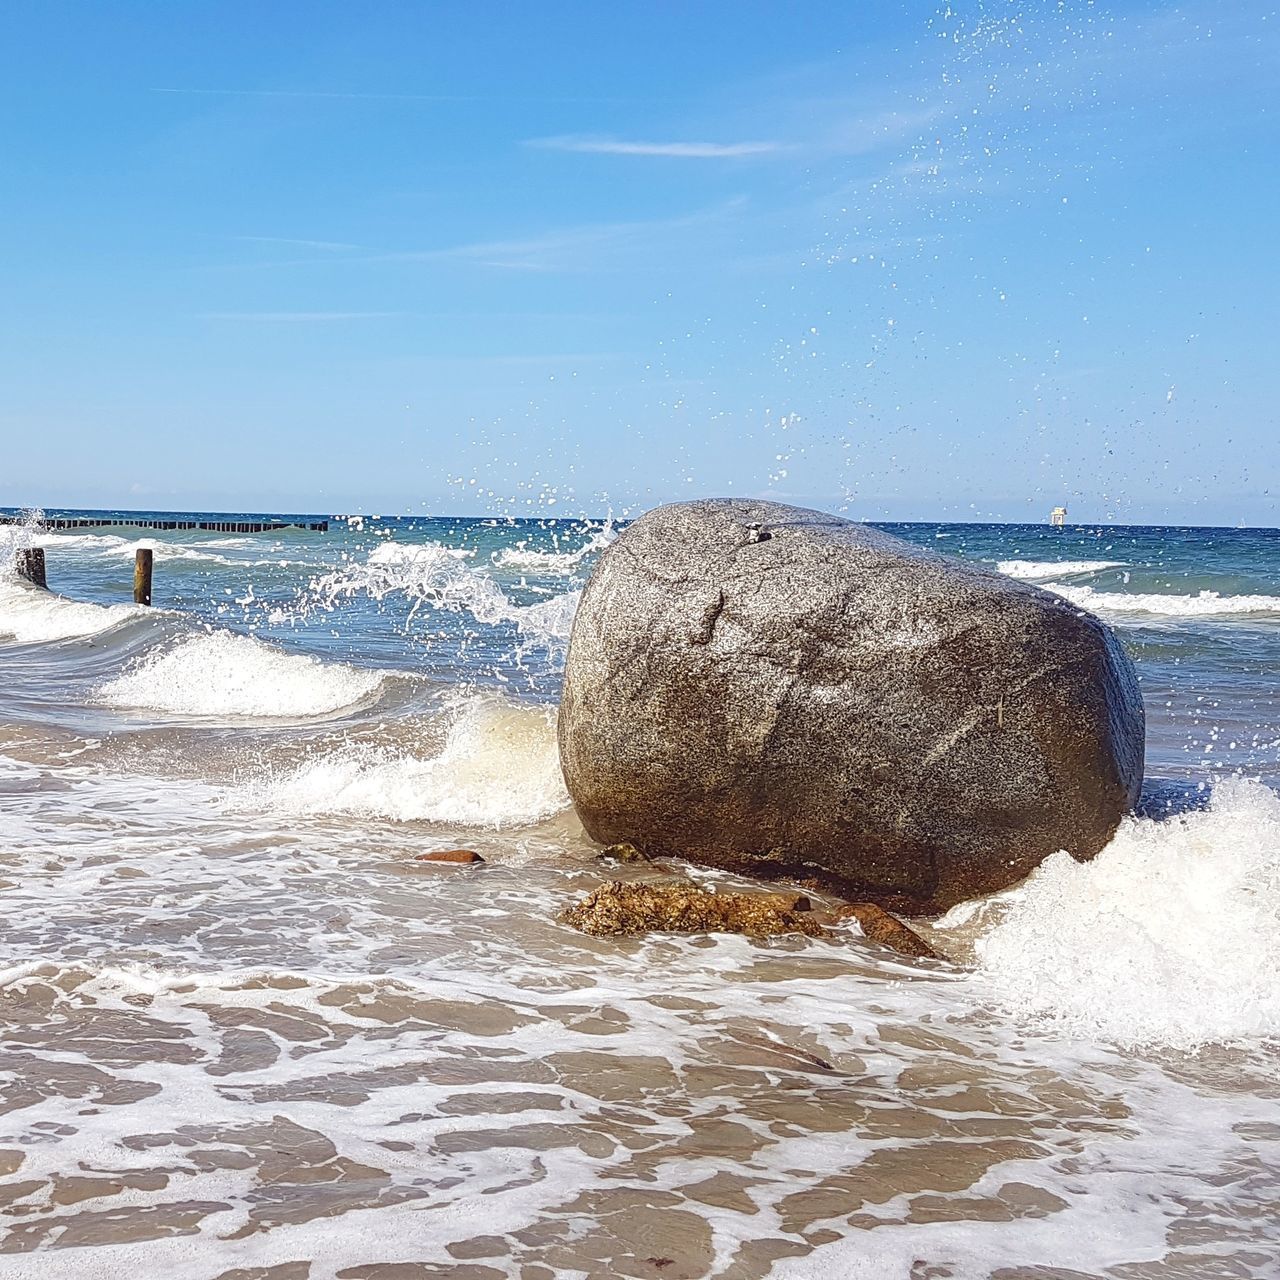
pixel 783 693
pixel 680 906
pixel 878 925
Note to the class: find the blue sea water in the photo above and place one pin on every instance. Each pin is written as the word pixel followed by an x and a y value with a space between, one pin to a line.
pixel 247 1033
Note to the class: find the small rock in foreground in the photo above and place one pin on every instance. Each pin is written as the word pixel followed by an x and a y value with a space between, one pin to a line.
pixel 682 907
pixel 448 855
pixel 879 926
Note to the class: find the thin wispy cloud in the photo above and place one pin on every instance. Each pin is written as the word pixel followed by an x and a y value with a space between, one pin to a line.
pixel 317 93
pixel 584 247
pixel 576 248
pixel 330 246
pixel 297 317
pixel 341 95
pixel 864 132
pixel 679 150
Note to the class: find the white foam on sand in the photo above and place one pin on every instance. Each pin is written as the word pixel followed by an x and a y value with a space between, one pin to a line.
pixel 334 1059
pixel 1170 936
pixel 1204 604
pixel 498 767
pixel 220 673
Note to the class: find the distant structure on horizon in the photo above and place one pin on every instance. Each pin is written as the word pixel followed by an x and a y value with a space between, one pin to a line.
pixel 1058 517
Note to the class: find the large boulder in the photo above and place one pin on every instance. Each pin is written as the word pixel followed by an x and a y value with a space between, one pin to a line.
pixel 788 694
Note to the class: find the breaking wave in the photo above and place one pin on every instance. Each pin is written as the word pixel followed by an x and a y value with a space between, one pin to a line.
pixel 1170 936
pixel 30 615
pixel 111 546
pixel 554 562
pixel 220 673
pixel 497 767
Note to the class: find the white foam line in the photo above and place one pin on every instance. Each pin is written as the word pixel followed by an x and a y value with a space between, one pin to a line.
pixel 1035 569
pixel 1204 604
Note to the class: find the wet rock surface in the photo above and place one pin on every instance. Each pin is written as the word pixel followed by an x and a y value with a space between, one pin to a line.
pixel 879 926
pixel 461 857
pixel 680 906
pixel 787 694
pixel 624 851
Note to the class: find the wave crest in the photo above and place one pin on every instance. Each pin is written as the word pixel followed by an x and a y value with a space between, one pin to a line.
pixel 554 562
pixel 1035 570
pixel 498 767
pixel 220 673
pixel 30 615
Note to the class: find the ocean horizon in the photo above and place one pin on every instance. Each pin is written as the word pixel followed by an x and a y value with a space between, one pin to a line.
pixel 12 514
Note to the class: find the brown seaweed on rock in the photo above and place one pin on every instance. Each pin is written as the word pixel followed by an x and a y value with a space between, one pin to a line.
pixel 680 906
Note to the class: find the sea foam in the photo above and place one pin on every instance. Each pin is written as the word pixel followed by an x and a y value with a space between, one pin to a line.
pixel 1170 936
pixel 1034 570
pixel 29 615
pixel 220 673
pixel 498 767
pixel 108 546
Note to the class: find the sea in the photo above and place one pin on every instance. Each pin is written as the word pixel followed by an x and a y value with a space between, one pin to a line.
pixel 246 1034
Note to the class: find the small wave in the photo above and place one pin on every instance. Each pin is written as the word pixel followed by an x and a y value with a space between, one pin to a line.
pixel 498 767
pixel 436 576
pixel 554 562
pixel 29 615
pixel 220 673
pixel 1170 936
pixel 1034 570
pixel 1204 604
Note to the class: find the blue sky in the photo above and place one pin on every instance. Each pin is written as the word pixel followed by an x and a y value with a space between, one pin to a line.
pixel 902 261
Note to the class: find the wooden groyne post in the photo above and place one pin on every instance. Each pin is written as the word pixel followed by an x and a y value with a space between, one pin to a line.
pixel 29 563
pixel 142 563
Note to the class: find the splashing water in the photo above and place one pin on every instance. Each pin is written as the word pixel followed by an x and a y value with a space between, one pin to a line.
pixel 438 577
pixel 1170 936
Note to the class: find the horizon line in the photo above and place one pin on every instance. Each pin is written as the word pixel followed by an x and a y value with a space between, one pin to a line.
pixel 69 512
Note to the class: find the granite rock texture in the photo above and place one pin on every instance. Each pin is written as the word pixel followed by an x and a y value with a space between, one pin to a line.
pixel 783 693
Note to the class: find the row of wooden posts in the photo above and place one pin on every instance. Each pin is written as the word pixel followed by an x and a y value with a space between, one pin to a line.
pixel 30 564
